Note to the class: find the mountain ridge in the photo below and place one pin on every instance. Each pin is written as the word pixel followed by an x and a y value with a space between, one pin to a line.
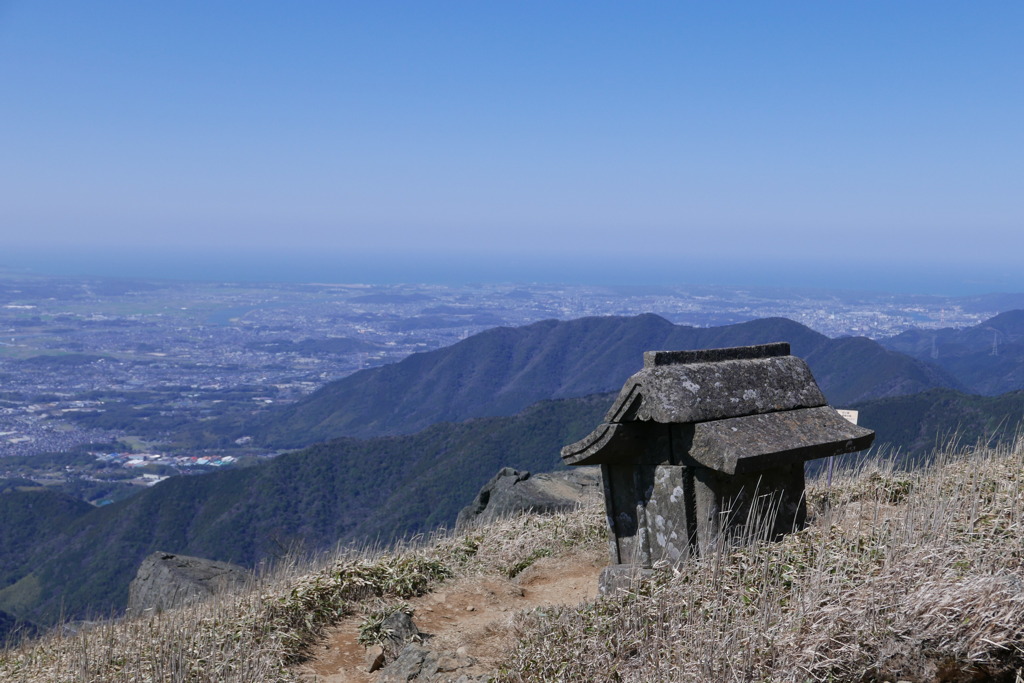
pixel 915 425
pixel 987 358
pixel 504 370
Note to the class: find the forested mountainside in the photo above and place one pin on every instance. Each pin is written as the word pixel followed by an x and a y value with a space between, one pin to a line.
pixel 348 490
pixel 69 554
pixel 504 370
pixel 917 424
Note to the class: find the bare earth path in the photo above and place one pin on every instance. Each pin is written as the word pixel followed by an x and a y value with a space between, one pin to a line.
pixel 469 615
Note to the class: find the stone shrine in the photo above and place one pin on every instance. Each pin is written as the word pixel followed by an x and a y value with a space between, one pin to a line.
pixel 704 443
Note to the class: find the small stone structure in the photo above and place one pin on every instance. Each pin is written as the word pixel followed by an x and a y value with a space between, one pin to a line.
pixel 701 443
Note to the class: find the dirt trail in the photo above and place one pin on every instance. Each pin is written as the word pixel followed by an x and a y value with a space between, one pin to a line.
pixel 470 616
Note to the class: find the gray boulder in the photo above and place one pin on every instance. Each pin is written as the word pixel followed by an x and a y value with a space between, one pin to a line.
pixel 418 663
pixel 512 492
pixel 408 659
pixel 415 662
pixel 399 630
pixel 166 580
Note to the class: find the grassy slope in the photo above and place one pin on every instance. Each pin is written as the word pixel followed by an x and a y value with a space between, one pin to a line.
pixel 899 576
pixel 258 633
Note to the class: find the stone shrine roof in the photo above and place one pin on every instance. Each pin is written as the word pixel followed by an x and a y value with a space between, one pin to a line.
pixel 734 410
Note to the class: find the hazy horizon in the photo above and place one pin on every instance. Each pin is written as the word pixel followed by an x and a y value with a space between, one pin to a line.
pixel 811 143
pixel 319 266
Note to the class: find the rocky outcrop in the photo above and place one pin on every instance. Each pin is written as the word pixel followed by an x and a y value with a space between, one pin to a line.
pixel 418 663
pixel 512 492
pixel 166 580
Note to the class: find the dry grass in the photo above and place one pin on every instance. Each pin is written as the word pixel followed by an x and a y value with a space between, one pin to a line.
pixel 250 635
pixel 900 576
pixel 258 633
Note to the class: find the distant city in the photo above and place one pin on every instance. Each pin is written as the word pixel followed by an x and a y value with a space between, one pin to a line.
pixel 122 362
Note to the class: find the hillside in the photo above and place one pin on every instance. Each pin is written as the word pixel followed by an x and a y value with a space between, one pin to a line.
pixel 352 490
pixel 503 370
pixel 13 630
pixel 898 576
pixel 80 560
pixel 29 517
pixel 915 425
pixel 342 491
pixel 987 358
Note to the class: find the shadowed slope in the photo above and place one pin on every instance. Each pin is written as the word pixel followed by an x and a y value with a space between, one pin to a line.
pixel 918 424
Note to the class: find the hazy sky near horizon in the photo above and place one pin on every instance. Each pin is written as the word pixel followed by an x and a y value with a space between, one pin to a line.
pixel 804 131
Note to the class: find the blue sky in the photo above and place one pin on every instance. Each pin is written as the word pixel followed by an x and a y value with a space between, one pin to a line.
pixel 697 134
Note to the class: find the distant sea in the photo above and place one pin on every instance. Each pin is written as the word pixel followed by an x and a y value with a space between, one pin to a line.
pixel 295 266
